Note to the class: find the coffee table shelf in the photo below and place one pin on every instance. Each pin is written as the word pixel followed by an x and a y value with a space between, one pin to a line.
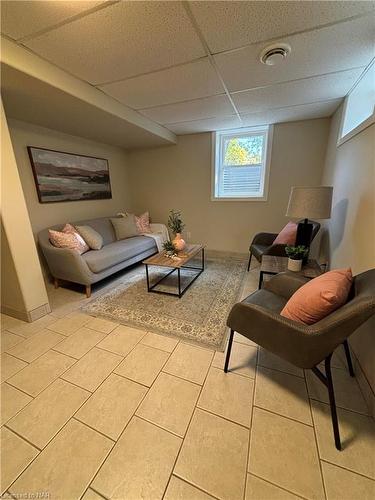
pixel 176 266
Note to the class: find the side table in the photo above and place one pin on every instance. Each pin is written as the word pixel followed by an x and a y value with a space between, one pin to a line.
pixel 272 264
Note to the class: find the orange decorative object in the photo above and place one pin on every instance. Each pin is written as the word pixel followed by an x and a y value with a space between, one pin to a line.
pixel 178 242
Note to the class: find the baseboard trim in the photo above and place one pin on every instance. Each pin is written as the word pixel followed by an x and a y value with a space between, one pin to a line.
pixel 28 316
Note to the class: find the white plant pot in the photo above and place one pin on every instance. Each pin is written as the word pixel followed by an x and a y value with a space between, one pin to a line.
pixel 294 265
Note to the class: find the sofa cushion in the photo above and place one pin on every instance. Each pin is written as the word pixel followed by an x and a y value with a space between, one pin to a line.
pixel 125 227
pixel 319 297
pixel 93 239
pixel 114 253
pixel 288 235
pixel 101 225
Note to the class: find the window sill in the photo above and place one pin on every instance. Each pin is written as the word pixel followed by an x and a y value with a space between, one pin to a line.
pixel 357 130
pixel 262 198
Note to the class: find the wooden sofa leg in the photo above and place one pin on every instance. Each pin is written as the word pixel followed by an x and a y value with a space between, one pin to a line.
pixel 88 291
pixel 55 282
pixel 228 350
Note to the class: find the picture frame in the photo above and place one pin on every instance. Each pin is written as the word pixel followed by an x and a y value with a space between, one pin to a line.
pixel 62 177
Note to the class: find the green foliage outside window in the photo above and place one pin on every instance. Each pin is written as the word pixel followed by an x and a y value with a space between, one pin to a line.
pixel 243 150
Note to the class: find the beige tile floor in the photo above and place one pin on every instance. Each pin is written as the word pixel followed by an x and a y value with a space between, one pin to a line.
pixel 92 409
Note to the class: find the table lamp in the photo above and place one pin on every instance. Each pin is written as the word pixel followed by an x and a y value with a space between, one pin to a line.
pixel 309 203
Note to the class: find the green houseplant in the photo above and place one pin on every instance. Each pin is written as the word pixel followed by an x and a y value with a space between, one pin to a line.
pixel 296 255
pixel 176 225
pixel 170 249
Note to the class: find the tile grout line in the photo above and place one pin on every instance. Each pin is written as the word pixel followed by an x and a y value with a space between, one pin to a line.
pixel 278 486
pixel 284 416
pixel 131 418
pixel 251 423
pixel 74 417
pixel 194 486
pixel 24 439
pixel 187 430
pixel 348 470
pixel 315 437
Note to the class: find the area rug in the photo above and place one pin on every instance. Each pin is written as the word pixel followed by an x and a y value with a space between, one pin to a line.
pixel 199 316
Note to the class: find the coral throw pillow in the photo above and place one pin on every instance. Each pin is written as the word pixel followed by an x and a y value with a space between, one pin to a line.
pixel 319 297
pixel 68 238
pixel 143 223
pixel 288 235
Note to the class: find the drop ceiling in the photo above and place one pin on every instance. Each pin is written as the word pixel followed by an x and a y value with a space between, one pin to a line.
pixel 194 66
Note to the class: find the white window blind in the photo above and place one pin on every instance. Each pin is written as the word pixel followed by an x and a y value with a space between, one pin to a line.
pixel 241 164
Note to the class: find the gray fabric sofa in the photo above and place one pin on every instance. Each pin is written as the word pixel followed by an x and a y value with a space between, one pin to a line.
pixel 94 265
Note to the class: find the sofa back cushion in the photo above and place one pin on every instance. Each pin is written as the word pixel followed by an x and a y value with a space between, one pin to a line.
pixel 125 227
pixel 319 297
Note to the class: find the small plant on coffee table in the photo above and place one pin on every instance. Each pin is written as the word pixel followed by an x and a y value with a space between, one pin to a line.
pixel 175 223
pixel 296 253
pixel 170 249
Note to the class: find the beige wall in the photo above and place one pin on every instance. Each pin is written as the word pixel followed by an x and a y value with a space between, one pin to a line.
pixel 44 215
pixel 350 237
pixel 180 177
pixel 23 290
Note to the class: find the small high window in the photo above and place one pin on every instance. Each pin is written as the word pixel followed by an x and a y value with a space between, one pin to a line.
pixel 241 164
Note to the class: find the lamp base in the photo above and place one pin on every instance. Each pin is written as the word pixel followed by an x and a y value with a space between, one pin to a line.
pixel 304 233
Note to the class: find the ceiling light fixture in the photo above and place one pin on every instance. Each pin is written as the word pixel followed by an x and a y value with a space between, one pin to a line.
pixel 274 54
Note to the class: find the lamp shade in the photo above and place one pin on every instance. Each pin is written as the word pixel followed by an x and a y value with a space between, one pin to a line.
pixel 310 202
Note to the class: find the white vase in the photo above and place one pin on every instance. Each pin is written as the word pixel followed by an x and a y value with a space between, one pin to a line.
pixel 294 265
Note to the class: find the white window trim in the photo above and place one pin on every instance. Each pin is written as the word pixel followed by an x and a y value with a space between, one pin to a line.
pixel 215 138
pixel 361 126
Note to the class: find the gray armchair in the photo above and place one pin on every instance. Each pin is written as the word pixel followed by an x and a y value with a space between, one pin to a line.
pixel 262 244
pixel 258 318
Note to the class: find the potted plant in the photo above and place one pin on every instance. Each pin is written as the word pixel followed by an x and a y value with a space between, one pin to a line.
pixel 296 255
pixel 176 225
pixel 170 249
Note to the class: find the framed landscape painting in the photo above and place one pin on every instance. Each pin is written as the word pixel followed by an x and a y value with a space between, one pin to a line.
pixel 63 176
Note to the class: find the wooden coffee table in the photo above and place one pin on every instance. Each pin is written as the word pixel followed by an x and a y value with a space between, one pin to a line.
pixel 176 265
pixel 272 264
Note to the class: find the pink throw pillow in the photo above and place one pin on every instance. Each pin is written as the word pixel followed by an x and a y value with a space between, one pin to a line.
pixel 319 297
pixel 288 235
pixel 143 223
pixel 68 238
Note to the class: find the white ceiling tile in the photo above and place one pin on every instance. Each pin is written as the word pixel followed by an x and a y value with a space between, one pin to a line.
pixel 318 88
pixel 181 83
pixel 327 50
pixel 23 18
pixel 293 113
pixel 209 107
pixel 227 24
pixel 121 41
pixel 209 125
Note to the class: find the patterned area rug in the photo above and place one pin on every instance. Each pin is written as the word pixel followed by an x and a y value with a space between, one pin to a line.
pixel 199 316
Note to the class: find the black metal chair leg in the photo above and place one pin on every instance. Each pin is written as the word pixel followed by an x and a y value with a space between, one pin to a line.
pixel 228 350
pixel 348 358
pixel 248 265
pixel 332 402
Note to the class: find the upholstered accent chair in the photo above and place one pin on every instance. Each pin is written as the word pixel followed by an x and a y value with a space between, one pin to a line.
pixel 262 244
pixel 258 319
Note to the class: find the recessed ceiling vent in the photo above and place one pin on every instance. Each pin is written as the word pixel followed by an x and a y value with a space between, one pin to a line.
pixel 275 54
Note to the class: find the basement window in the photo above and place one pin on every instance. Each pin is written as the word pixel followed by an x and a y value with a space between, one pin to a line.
pixel 240 164
pixel 359 106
